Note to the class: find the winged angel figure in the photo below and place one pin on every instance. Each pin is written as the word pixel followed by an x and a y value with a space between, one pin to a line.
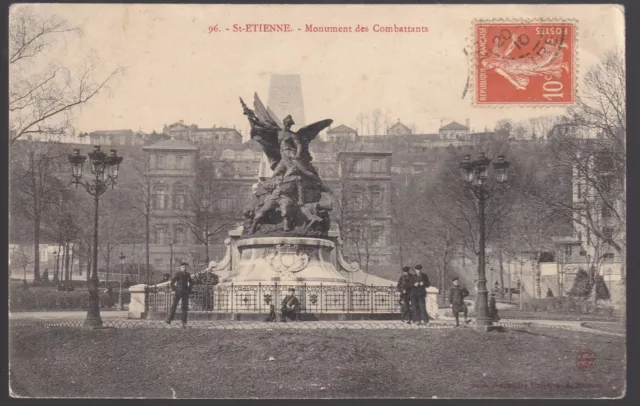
pixel 289 158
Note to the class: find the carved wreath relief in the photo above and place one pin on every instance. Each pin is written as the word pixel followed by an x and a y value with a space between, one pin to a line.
pixel 286 259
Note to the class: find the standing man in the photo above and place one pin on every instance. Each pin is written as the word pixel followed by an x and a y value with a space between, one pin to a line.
pixel 181 285
pixel 404 287
pixel 456 298
pixel 419 284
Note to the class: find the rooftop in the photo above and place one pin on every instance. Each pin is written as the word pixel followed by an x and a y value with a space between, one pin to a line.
pixel 454 126
pixel 341 129
pixel 172 145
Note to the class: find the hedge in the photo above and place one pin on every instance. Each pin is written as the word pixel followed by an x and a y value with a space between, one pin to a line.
pixel 28 300
pixel 567 305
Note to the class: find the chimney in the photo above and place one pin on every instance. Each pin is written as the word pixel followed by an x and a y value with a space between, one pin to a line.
pixel 468 123
pixel 441 123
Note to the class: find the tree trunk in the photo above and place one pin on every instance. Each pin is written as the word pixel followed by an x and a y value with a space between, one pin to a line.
pixel 36 215
pixel 535 266
pixel 501 276
pixel 66 262
pixel 147 233
pixel 73 254
pixel 89 265
pixel 36 241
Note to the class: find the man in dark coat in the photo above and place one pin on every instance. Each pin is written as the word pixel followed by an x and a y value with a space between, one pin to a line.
pixel 290 306
pixel 181 285
pixel 419 283
pixel 493 309
pixel 404 287
pixel 456 298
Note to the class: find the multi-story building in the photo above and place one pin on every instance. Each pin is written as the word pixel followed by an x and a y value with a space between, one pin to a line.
pixel 171 175
pixel 203 136
pixel 117 137
pixel 454 131
pixel 364 215
pixel 399 129
pixel 341 133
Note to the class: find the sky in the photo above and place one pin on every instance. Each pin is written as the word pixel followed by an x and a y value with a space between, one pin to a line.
pixel 174 69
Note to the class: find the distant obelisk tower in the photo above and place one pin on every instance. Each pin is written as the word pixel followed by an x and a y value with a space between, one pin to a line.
pixel 285 97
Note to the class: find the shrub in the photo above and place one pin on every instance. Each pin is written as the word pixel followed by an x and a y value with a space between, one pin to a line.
pixel 602 291
pixel 53 300
pixel 581 285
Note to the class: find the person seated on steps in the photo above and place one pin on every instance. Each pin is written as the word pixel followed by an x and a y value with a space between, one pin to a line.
pixel 290 306
pixel 272 314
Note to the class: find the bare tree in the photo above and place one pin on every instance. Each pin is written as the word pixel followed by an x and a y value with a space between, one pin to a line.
pixel 63 227
pixel 375 121
pixel 211 207
pixel 20 257
pixel 43 94
pixel 360 119
pixel 137 196
pixel 591 148
pixel 34 188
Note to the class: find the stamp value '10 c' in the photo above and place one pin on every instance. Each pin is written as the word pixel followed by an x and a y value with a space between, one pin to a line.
pixel 524 63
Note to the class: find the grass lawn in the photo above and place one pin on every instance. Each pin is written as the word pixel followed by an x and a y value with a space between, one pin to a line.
pixel 68 362
pixel 546 315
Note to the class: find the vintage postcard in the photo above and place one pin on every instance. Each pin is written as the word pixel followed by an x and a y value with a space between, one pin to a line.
pixel 317 201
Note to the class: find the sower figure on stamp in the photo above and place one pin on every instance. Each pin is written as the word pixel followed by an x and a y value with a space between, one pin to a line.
pixel 181 285
pixel 456 298
pixel 290 306
pixel 404 287
pixel 419 284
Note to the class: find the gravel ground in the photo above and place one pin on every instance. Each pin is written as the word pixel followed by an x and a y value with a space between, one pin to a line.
pixel 443 363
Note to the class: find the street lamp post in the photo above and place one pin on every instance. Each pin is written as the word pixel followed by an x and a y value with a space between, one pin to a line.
pixel 122 257
pixel 104 168
pixel 55 267
pixel 475 175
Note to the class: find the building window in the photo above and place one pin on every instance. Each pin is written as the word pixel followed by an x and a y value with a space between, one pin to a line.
pixel 568 251
pixel 179 162
pixel 180 236
pixel 377 236
pixel 178 198
pixel 160 161
pixel 579 190
pixel 160 199
pixel 375 165
pixel 161 235
pixel 376 198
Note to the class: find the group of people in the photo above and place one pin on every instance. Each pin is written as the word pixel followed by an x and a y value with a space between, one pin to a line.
pixel 412 286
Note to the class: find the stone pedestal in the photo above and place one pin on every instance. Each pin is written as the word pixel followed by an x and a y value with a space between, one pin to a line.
pixel 136 307
pixel 285 260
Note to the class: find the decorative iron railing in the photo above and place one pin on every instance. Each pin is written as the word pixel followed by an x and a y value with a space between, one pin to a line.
pixel 259 298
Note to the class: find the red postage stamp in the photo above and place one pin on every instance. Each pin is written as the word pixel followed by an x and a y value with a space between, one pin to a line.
pixel 524 63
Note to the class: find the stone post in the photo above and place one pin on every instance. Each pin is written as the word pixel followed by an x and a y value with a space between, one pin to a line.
pixel 432 302
pixel 137 305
